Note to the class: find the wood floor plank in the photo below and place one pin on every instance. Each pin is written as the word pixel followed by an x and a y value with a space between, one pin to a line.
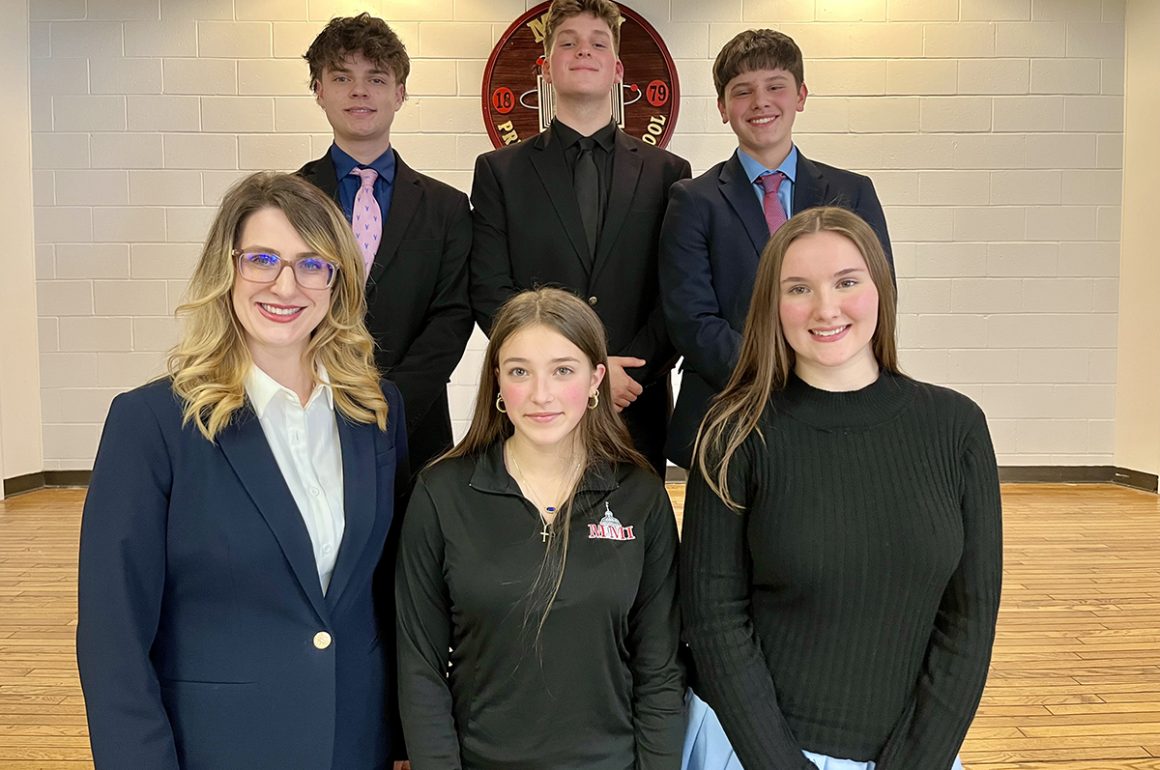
pixel 1075 679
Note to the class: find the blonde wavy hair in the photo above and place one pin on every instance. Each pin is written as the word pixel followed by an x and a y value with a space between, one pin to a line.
pixel 766 360
pixel 208 365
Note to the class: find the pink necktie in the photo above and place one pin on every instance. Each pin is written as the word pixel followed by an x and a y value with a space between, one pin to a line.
pixel 774 213
pixel 366 219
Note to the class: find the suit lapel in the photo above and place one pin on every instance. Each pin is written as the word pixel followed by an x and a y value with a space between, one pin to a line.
pixel 738 191
pixel 321 174
pixel 548 159
pixel 405 198
pixel 810 188
pixel 359 483
pixel 626 165
pixel 248 453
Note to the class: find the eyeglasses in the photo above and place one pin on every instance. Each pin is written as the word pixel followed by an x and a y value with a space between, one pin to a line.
pixel 264 267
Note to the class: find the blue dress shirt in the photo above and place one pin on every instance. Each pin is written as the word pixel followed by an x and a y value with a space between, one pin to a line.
pixel 348 185
pixel 753 170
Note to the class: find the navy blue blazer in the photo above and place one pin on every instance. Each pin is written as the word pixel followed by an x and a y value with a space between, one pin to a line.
pixel 204 639
pixel 711 241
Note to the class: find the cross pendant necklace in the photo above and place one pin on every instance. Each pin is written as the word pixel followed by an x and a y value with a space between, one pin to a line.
pixel 546 529
pixel 546 533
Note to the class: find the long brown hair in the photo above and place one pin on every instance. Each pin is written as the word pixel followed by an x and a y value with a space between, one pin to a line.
pixel 602 436
pixel 210 361
pixel 766 359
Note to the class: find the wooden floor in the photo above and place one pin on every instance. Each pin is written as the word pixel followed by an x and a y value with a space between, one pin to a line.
pixel 1075 683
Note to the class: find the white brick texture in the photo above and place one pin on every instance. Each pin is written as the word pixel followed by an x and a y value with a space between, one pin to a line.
pixel 993 129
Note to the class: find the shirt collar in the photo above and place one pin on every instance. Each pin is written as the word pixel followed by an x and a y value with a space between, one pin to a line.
pixel 344 164
pixel 605 137
pixel 754 169
pixel 491 475
pixel 261 389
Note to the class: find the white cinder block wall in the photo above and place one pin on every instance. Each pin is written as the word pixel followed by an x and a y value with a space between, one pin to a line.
pixel 992 128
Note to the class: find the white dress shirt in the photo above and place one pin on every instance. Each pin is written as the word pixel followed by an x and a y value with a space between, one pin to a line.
pixel 304 440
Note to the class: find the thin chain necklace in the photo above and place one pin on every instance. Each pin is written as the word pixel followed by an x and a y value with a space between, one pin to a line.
pixel 538 499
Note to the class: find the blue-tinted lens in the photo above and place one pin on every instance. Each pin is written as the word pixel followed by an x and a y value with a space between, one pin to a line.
pixel 312 265
pixel 261 260
pixel 309 272
pixel 313 272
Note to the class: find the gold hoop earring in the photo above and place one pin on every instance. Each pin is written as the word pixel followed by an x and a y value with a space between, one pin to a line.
pixel 594 400
pixel 499 404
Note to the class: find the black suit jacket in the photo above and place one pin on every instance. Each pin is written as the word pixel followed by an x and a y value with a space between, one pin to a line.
pixel 417 303
pixel 713 235
pixel 528 233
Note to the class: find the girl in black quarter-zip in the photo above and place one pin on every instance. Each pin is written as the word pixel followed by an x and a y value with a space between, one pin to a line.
pixel 536 581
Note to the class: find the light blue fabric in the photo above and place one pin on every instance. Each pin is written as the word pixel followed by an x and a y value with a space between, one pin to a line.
pixel 830 763
pixel 707 748
pixel 754 170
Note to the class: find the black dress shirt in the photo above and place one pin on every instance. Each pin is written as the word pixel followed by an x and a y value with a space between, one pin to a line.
pixel 605 140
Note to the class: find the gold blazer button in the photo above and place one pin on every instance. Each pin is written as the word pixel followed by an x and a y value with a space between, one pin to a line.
pixel 322 640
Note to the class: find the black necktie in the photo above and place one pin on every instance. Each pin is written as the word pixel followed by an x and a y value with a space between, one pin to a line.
pixel 587 182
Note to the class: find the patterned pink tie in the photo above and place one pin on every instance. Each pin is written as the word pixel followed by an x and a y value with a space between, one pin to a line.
pixel 774 213
pixel 366 220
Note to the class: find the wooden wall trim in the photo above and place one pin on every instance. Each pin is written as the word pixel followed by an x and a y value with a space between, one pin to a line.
pixel 1013 474
pixel 1040 474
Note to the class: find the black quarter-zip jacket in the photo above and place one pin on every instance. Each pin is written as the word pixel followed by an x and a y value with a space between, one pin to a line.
pixel 602 689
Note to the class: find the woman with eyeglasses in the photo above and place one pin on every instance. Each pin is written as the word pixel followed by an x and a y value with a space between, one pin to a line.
pixel 238 510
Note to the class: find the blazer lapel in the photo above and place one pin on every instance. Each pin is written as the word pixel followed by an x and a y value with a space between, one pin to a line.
pixel 738 191
pixel 405 199
pixel 548 160
pixel 626 165
pixel 359 484
pixel 245 447
pixel 810 188
pixel 321 174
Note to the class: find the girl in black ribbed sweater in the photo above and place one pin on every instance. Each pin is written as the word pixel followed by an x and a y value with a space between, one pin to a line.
pixel 841 561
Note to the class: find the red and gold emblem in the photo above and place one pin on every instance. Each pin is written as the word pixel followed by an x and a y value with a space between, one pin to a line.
pixel 518 103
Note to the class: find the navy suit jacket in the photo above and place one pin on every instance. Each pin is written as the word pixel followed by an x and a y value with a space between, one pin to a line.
pixel 711 241
pixel 200 604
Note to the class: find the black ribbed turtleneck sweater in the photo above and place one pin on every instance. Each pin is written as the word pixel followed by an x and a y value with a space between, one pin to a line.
pixel 850 608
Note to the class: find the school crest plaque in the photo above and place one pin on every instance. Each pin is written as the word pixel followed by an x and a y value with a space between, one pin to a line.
pixel 517 103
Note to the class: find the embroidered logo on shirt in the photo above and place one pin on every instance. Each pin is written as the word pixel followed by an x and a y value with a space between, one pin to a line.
pixel 609 528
